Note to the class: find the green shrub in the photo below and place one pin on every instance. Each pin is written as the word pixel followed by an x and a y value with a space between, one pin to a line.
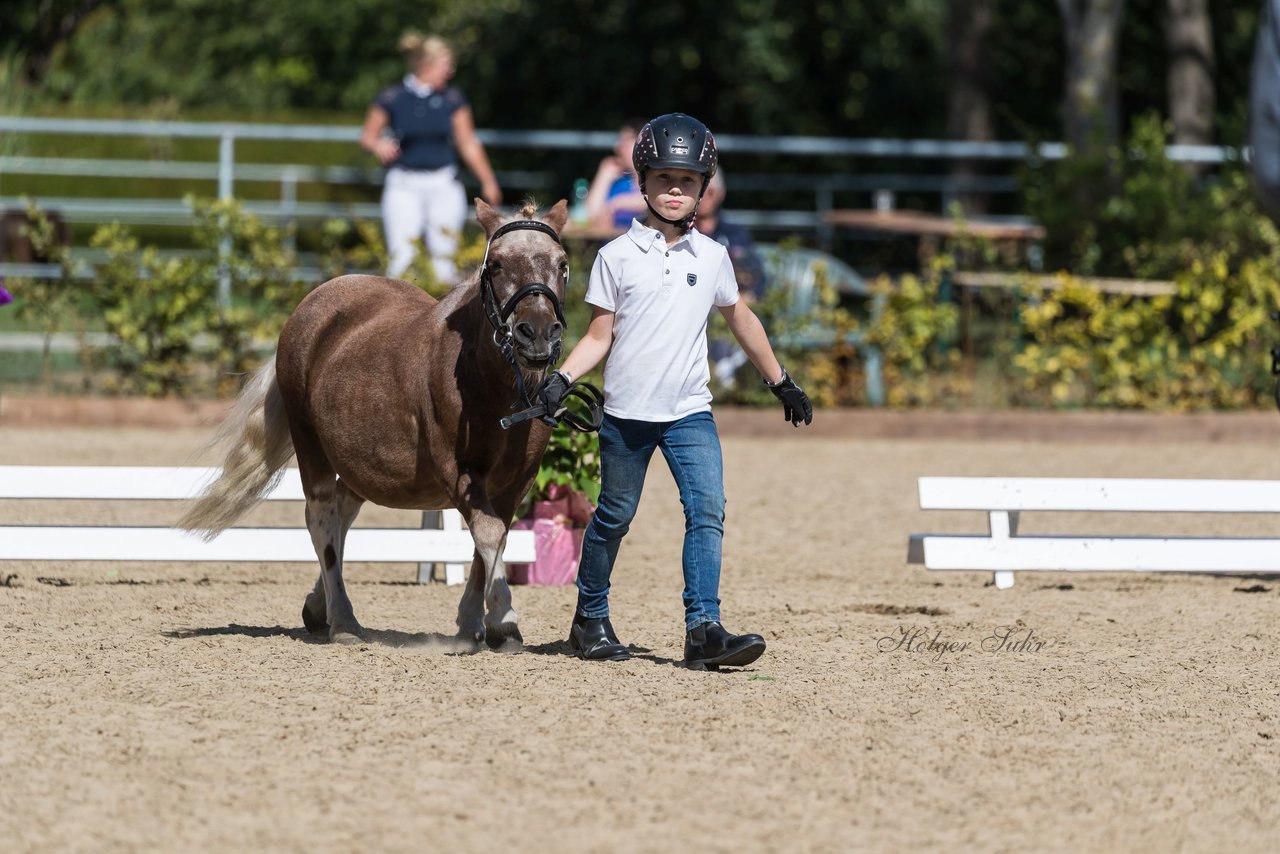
pixel 1133 212
pixel 164 311
pixel 572 460
pixel 170 335
pixel 915 331
pixel 1204 347
pixel 55 304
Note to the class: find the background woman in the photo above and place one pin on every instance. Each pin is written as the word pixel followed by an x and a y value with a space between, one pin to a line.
pixel 418 128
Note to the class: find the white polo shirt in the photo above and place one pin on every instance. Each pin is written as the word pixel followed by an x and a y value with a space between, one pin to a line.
pixel 661 297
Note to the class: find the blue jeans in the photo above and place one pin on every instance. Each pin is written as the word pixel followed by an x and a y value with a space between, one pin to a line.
pixel 692 448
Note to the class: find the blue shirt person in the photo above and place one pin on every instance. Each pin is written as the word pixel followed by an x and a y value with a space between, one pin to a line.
pixel 748 269
pixel 614 197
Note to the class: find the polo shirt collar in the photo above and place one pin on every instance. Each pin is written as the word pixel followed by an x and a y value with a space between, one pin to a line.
pixel 418 88
pixel 646 238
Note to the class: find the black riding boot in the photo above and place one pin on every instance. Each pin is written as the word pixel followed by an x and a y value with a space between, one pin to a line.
pixel 709 646
pixel 594 640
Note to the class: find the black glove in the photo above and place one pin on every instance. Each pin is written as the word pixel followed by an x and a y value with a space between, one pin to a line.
pixel 795 403
pixel 551 394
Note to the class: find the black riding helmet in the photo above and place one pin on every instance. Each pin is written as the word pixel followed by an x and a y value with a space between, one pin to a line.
pixel 675 141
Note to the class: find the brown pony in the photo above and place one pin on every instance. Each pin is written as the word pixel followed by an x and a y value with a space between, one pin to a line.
pixel 386 395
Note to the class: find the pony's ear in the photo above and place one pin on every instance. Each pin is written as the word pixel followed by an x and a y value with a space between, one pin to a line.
pixel 488 218
pixel 557 216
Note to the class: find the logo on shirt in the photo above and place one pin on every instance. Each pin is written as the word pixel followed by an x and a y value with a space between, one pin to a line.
pixel 692 279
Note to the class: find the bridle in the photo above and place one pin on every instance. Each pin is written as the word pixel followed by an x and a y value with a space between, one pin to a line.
pixel 500 318
pixel 503 336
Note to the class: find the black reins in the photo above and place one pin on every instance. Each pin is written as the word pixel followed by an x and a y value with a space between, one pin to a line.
pixel 504 337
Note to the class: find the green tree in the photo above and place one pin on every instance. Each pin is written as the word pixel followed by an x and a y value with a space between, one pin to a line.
pixel 244 55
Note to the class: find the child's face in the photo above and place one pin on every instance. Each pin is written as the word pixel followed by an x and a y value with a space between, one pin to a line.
pixel 673 192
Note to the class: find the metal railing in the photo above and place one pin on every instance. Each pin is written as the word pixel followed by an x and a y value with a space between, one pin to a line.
pixel 226 171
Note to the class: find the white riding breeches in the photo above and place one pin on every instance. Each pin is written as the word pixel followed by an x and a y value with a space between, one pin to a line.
pixel 431 205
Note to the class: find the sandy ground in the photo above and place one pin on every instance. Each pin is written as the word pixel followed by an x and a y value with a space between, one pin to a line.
pixel 169 708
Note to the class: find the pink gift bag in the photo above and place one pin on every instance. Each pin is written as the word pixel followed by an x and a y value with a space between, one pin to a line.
pixel 558 544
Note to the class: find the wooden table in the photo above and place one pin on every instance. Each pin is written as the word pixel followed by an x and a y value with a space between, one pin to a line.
pixel 1014 281
pixel 590 233
pixel 923 224
pixel 932 229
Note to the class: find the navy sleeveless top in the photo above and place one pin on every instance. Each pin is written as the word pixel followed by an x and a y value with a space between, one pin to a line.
pixel 423 125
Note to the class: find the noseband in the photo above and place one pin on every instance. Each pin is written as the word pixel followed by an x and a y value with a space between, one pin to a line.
pixel 500 318
pixel 503 336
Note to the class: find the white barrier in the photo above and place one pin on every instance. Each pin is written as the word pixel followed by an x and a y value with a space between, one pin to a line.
pixel 441 540
pixel 1004 552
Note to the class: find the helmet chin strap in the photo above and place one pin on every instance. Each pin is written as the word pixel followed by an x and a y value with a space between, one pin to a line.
pixel 685 223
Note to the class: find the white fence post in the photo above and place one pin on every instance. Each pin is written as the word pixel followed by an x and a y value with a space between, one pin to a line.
pixel 226 172
pixel 442 520
pixel 1002 525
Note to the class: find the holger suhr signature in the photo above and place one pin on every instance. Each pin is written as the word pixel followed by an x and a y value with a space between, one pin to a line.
pixel 926 641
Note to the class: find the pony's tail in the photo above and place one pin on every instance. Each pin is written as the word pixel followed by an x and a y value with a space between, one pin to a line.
pixel 256 437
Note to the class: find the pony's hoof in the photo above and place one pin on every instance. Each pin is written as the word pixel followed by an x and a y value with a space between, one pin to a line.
pixel 504 638
pixel 314 624
pixel 347 637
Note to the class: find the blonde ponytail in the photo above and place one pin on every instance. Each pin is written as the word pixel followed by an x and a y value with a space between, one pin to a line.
pixel 419 49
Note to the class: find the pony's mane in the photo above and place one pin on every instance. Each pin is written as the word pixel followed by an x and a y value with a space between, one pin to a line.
pixel 528 209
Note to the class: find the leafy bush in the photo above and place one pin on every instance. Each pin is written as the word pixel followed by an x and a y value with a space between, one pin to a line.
pixel 170 335
pixel 1130 212
pixel 572 460
pixel 56 304
pixel 164 312
pixel 1203 347
pixel 914 331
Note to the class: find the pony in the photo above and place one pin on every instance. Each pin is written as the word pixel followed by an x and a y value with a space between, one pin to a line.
pixel 385 394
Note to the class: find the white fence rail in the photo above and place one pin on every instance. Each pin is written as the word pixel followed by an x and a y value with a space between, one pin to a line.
pixel 445 542
pixel 1004 552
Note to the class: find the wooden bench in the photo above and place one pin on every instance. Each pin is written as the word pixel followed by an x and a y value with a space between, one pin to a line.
pixel 442 539
pixel 1039 281
pixel 1003 551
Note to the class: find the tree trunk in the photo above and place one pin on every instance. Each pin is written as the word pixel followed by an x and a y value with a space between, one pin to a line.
pixel 969 96
pixel 54 23
pixel 1189 37
pixel 1091 110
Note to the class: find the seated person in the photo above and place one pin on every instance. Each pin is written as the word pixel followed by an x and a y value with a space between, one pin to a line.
pixel 614 197
pixel 747 266
pixel 748 269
